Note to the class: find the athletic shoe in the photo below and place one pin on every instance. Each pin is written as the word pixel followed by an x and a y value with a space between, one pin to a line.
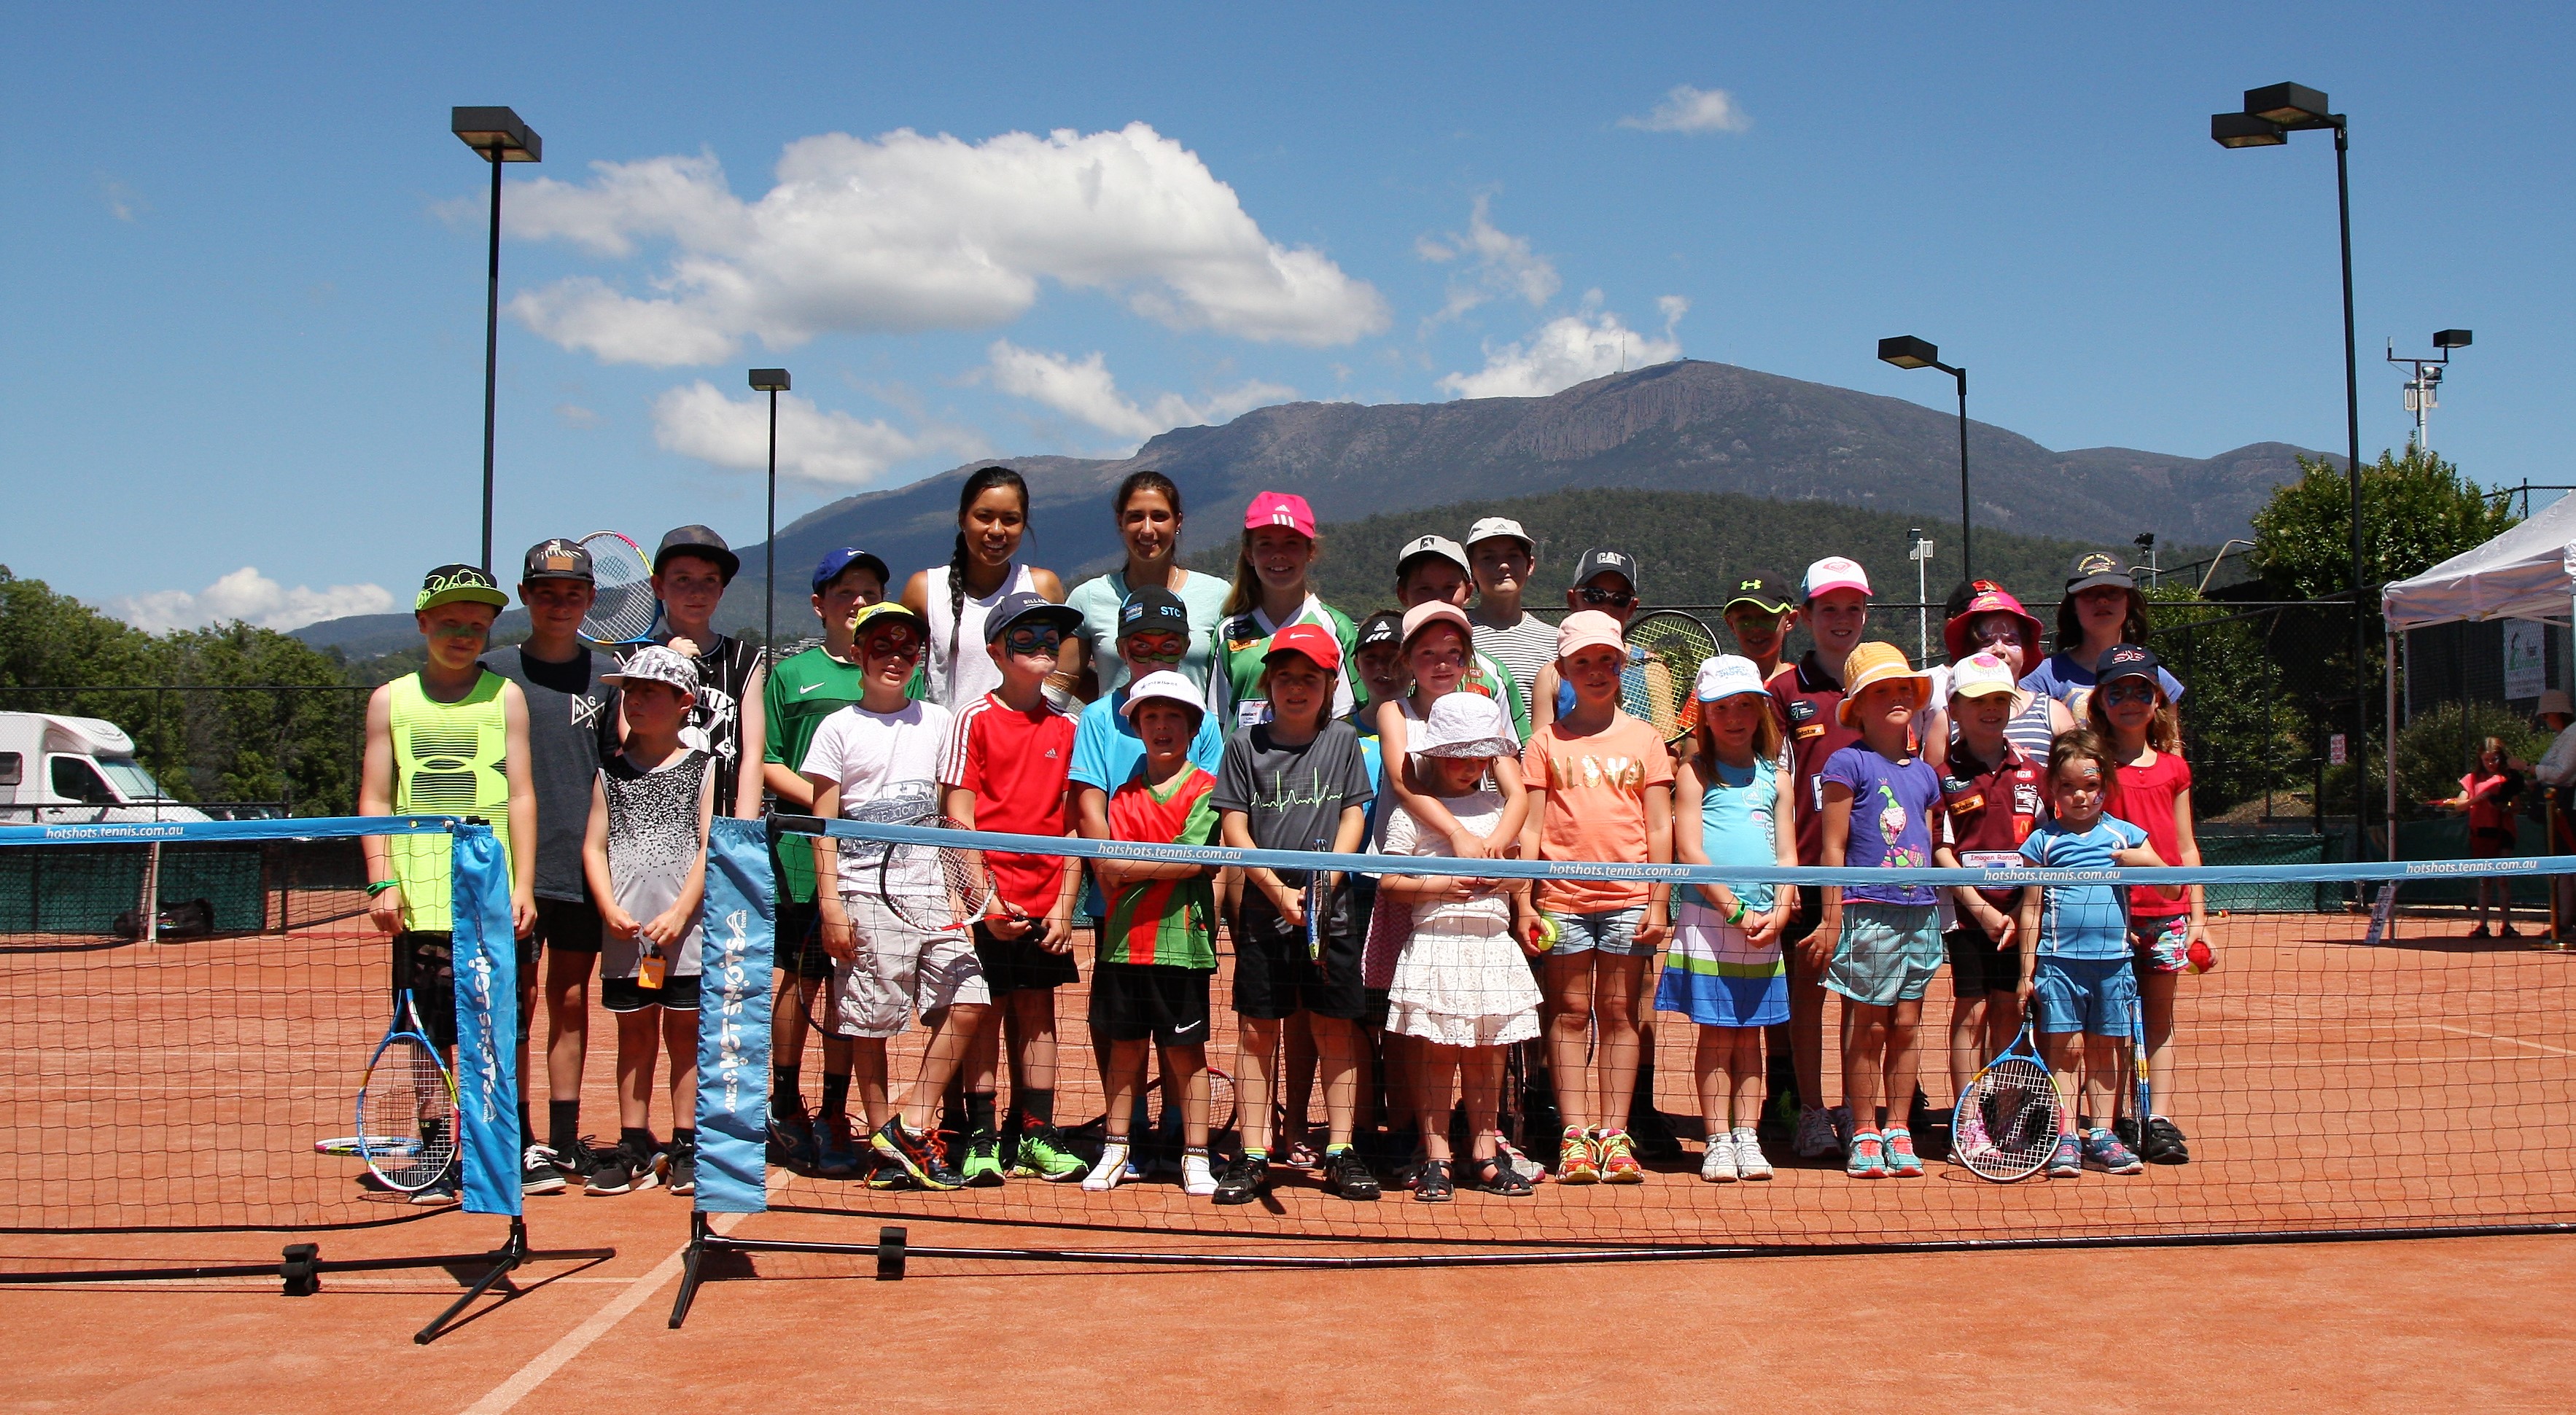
pixel 983 1166
pixel 2067 1160
pixel 1718 1165
pixel 1652 1134
pixel 1901 1159
pixel 1749 1162
pixel 793 1142
pixel 1816 1137
pixel 1042 1154
pixel 1348 1175
pixel 837 1147
pixel 2164 1143
pixel 884 1175
pixel 1619 1159
pixel 1575 1161
pixel 445 1189
pixel 1868 1157
pixel 2126 1127
pixel 1245 1177
pixel 1530 1170
pixel 541 1170
pixel 1841 1118
pixel 1104 1176
pixel 620 1169
pixel 1971 1141
pixel 2103 1151
pixel 922 1154
pixel 1197 1180
pixel 682 1176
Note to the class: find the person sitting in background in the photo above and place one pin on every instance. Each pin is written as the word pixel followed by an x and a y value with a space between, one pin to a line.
pixel 2557 768
pixel 2487 794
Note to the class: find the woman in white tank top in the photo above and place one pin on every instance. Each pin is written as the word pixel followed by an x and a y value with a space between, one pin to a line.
pixel 992 516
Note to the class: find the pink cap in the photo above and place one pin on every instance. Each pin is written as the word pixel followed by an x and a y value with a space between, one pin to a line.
pixel 1834 572
pixel 1437 611
pixel 1585 628
pixel 1278 508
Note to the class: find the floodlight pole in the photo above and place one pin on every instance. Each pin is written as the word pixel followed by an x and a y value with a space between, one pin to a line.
pixel 491 351
pixel 2352 451
pixel 772 381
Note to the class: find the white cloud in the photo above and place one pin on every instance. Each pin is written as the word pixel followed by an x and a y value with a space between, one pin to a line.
pixel 251 597
pixel 1564 352
pixel 1502 264
pixel 904 233
pixel 1693 110
pixel 827 448
pixel 1085 389
pixel 122 201
pixel 575 415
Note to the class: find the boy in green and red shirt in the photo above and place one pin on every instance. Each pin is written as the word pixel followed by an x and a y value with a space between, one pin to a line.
pixel 1158 943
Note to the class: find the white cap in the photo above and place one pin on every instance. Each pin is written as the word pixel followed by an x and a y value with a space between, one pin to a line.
pixel 1441 546
pixel 1492 526
pixel 655 664
pixel 1465 725
pixel 1980 675
pixel 1834 572
pixel 1167 685
pixel 1727 676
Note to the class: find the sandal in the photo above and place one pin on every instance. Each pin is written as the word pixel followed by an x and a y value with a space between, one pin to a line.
pixel 1491 1175
pixel 1302 1154
pixel 1432 1184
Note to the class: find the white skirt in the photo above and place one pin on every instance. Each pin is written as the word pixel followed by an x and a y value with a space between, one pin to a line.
pixel 1463 982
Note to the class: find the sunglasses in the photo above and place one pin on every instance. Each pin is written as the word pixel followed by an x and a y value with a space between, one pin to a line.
pixel 1997 634
pixel 1618 599
pixel 2129 690
pixel 1033 640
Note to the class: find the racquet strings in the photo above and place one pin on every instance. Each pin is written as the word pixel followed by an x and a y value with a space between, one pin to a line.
pixel 2015 1101
pixel 625 607
pixel 938 888
pixel 406 1099
pixel 1667 647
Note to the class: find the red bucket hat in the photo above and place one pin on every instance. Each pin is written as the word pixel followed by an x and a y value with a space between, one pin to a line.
pixel 1990 599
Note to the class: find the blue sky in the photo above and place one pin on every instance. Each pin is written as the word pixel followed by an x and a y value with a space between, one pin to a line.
pixel 244 258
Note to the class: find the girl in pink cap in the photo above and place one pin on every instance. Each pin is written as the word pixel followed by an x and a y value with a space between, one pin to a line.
pixel 1272 590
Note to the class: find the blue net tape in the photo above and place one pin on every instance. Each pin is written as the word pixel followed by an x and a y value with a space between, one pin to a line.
pixel 162 832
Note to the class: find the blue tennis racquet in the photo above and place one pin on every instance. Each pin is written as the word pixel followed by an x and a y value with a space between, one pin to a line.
pixel 406 1105
pixel 2142 1096
pixel 1314 899
pixel 2007 1121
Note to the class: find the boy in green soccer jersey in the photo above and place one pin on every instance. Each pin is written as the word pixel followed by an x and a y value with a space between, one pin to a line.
pixel 802 691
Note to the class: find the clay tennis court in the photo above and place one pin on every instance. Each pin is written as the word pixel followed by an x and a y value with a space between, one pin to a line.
pixel 2324 1084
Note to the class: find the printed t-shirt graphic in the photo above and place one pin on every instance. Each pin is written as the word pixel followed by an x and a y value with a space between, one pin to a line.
pixel 1891 820
pixel 888 766
pixel 1598 786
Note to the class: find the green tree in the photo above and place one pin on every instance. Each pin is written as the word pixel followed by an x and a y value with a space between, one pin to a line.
pixel 2416 512
pixel 2241 732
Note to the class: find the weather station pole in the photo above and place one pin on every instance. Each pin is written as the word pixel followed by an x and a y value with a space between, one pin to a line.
pixel 2426 381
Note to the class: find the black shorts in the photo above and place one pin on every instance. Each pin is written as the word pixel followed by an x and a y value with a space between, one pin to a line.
pixel 1021 964
pixel 1802 924
pixel 799 949
pixel 426 963
pixel 1273 977
pixel 1977 967
pixel 571 925
pixel 1133 1001
pixel 630 995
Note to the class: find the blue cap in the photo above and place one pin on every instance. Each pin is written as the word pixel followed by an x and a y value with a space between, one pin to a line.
pixel 831 566
pixel 1022 604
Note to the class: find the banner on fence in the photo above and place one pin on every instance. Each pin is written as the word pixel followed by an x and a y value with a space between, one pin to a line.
pixel 487 1023
pixel 733 1020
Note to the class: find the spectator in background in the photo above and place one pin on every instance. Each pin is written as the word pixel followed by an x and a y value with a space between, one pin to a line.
pixel 2556 770
pixel 2487 795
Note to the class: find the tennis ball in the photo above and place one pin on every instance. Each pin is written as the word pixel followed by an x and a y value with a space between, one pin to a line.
pixel 1543 934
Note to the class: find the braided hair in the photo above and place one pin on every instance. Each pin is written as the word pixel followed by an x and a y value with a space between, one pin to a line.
pixel 983 480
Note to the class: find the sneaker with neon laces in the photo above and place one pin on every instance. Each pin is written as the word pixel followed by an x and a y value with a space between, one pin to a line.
pixel 1043 1154
pixel 1198 1180
pixel 1110 1172
pixel 1718 1165
pixel 1576 1163
pixel 2067 1160
pixel 1618 1150
pixel 2103 1151
pixel 1901 1159
pixel 1750 1164
pixel 1816 1138
pixel 1244 1180
pixel 1868 1157
pixel 541 1170
pixel 921 1153
pixel 838 1147
pixel 983 1166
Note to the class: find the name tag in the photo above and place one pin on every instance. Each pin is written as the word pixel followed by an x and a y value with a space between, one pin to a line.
pixel 1251 712
pixel 1805 730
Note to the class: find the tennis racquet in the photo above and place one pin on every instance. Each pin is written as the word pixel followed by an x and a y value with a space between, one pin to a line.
pixel 1665 650
pixel 938 888
pixel 2007 1121
pixel 406 1106
pixel 2142 1092
pixel 1222 1105
pixel 1314 898
pixel 625 610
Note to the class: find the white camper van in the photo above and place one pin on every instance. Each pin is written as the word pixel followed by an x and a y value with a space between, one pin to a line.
pixel 57 769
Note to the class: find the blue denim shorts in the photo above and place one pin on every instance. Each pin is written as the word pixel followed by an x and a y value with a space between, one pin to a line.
pixel 1612 931
pixel 2088 995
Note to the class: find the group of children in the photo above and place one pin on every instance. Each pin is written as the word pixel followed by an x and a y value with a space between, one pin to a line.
pixel 1455 725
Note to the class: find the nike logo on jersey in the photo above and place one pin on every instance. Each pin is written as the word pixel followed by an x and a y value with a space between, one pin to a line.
pixel 810 687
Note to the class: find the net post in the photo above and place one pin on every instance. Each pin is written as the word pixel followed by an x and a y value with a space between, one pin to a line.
pixel 152 893
pixel 692 1268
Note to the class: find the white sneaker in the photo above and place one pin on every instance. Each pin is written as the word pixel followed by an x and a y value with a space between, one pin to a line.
pixel 1198 1180
pixel 1110 1172
pixel 1815 1138
pixel 1749 1163
pixel 1719 1166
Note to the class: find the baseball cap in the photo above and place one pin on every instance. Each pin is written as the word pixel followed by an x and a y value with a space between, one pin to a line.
pixel 1585 628
pixel 1441 546
pixel 829 568
pixel 556 559
pixel 1834 572
pixel 1597 561
pixel 655 664
pixel 1766 592
pixel 701 541
pixel 1153 610
pixel 1491 526
pixel 1387 627
pixel 1993 599
pixel 1980 675
pixel 1279 508
pixel 1422 616
pixel 1313 640
pixel 454 584
pixel 1165 684
pixel 1028 604
pixel 887 609
pixel 1877 663
pixel 1726 676
pixel 2125 661
pixel 2095 569
pixel 1465 725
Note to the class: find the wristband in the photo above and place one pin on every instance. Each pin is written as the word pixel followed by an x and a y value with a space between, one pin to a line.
pixel 380 886
pixel 1736 919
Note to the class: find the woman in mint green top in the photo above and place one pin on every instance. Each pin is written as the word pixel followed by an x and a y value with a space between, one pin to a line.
pixel 1148 508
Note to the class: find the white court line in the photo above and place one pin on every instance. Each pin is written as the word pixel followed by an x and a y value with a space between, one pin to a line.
pixel 2511 1041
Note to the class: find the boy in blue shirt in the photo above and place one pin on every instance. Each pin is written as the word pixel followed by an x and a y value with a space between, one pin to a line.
pixel 2075 947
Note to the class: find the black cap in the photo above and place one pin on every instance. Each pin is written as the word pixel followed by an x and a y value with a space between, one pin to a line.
pixel 2095 569
pixel 701 541
pixel 556 559
pixel 1153 610
pixel 1023 604
pixel 1770 593
pixel 1384 627
pixel 2125 661
pixel 1596 561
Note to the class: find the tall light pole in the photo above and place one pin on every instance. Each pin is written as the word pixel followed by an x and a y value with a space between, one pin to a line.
pixel 2427 381
pixel 772 381
pixel 498 134
pixel 2271 114
pixel 1906 351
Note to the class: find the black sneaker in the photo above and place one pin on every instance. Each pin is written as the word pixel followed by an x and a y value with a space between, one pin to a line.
pixel 921 1154
pixel 621 1170
pixel 2126 1128
pixel 1652 1132
pixel 1244 1179
pixel 1349 1176
pixel 2164 1143
pixel 541 1170
pixel 682 1176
